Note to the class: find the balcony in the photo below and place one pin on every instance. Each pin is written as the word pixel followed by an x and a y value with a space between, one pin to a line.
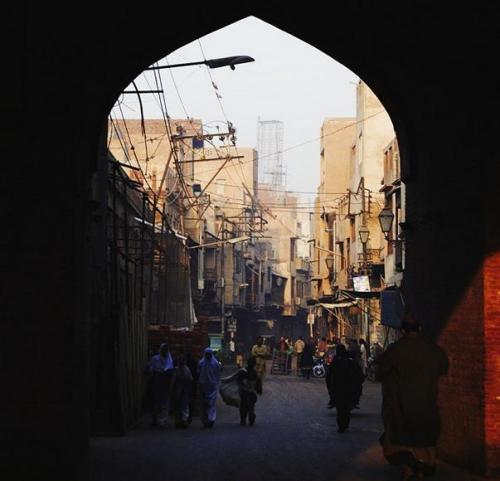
pixel 373 256
pixel 302 264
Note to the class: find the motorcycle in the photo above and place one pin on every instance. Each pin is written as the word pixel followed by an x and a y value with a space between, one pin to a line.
pixel 319 367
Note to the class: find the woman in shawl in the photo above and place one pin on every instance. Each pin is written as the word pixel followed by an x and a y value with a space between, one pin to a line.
pixel 208 379
pixel 161 366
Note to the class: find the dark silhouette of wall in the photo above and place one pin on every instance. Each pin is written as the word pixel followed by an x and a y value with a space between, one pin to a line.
pixel 433 68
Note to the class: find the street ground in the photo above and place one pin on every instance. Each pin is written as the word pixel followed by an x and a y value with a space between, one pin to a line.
pixel 294 439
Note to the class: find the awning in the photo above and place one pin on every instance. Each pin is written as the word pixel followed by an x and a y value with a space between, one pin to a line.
pixel 337 304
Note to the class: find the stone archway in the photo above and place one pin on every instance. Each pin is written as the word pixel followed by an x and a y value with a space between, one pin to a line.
pixel 74 72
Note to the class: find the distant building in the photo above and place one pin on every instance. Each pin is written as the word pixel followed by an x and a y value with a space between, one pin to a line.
pixel 349 247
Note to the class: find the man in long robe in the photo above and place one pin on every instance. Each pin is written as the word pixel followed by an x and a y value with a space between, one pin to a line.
pixel 409 370
pixel 344 380
pixel 209 370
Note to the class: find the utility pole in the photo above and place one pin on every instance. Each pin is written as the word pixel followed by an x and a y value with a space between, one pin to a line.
pixel 223 289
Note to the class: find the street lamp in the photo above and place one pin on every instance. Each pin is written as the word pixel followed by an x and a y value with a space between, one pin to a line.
pixel 211 63
pixel 386 218
pixel 329 263
pixel 364 234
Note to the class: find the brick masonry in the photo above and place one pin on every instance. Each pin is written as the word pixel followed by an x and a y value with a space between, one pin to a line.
pixel 492 362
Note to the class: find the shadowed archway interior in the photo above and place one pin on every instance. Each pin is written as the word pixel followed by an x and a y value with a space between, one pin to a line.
pixel 434 80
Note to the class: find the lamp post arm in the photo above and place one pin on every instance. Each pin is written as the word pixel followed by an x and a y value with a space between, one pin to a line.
pixel 188 64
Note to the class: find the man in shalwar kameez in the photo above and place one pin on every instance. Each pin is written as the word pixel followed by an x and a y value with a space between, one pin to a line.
pixel 410 369
pixel 260 352
pixel 209 369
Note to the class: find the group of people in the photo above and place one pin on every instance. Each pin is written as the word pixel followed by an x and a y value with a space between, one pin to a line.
pixel 409 370
pixel 174 384
pixel 173 387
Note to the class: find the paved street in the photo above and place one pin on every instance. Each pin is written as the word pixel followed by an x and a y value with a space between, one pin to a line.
pixel 294 438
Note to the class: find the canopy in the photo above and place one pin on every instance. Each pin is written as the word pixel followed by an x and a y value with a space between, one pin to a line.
pixel 337 304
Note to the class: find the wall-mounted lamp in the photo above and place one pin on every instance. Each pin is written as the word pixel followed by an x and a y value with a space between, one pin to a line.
pixel 386 218
pixel 364 234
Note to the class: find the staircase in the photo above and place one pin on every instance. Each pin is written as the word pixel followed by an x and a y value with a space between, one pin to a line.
pixel 280 362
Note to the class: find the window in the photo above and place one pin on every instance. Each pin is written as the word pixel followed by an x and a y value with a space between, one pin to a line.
pixel 268 274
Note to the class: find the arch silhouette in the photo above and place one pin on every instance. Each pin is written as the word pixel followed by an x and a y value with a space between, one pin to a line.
pixel 430 73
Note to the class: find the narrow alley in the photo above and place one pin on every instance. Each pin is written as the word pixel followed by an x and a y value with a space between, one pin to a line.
pixel 295 438
pixel 305 185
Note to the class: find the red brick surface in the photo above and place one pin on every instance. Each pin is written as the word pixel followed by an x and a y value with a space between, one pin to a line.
pixel 461 395
pixel 492 361
pixel 193 341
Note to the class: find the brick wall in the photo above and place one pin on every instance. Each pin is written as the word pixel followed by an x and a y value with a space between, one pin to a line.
pixel 492 362
pixel 461 393
pixel 193 341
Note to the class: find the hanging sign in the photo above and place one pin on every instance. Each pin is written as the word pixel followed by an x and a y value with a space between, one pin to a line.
pixel 361 283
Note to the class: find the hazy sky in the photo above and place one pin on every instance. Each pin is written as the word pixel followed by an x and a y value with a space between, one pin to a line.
pixel 289 81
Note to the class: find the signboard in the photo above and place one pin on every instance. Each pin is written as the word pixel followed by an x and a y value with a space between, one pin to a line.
pixel 392 308
pixel 310 318
pixel 215 343
pixel 231 325
pixel 361 283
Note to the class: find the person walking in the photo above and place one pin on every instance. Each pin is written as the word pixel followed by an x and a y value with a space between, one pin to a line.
pixel 299 348
pixel 193 368
pixel 182 392
pixel 260 352
pixel 409 370
pixel 306 360
pixel 363 355
pixel 249 385
pixel 354 350
pixel 161 367
pixel 345 377
pixel 209 369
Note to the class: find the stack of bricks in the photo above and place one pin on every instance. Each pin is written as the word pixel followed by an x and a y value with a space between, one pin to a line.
pixel 193 341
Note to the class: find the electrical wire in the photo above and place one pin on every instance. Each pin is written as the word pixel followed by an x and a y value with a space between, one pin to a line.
pixel 313 140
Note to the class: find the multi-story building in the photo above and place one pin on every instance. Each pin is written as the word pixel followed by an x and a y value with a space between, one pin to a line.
pixel 349 245
pixel 394 192
pixel 288 231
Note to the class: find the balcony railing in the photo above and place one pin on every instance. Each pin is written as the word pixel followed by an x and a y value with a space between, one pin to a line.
pixel 372 256
pixel 302 264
